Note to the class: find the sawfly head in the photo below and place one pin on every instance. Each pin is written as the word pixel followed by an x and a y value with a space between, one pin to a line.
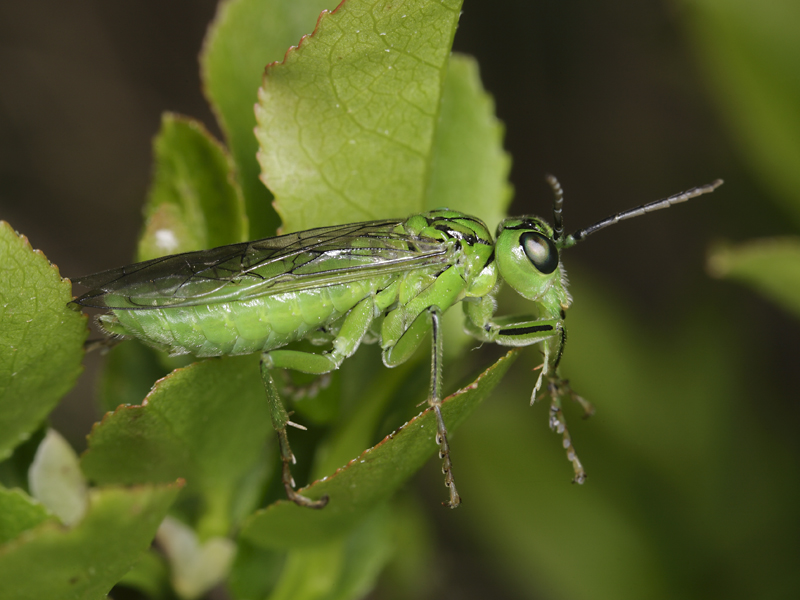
pixel 528 250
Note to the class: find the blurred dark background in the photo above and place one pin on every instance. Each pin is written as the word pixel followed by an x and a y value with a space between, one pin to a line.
pixel 608 96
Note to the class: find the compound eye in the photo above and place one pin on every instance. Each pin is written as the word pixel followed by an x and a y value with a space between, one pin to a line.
pixel 540 250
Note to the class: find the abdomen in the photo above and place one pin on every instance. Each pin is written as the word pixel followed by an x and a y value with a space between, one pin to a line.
pixel 246 326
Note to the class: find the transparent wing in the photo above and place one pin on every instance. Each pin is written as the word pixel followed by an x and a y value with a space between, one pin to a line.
pixel 293 262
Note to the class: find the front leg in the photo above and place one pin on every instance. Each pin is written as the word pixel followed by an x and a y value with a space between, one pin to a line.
pixel 516 331
pixel 525 331
pixel 559 388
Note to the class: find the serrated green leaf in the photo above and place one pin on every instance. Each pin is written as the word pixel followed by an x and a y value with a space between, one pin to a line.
pixel 769 266
pixel 195 201
pixel 19 512
pixel 346 123
pixel 751 56
pixel 41 339
pixel 245 36
pixel 469 168
pixel 84 562
pixel 370 479
pixel 206 423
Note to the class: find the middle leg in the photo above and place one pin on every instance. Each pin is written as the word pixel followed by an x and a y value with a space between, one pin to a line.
pixel 435 401
pixel 400 351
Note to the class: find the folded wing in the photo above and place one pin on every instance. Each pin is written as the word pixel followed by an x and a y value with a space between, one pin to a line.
pixel 287 263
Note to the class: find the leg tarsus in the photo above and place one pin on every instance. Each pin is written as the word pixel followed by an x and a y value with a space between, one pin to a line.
pixel 444 454
pixel 280 419
pixel 558 388
pixel 588 407
pixel 287 458
pixel 435 401
pixel 398 352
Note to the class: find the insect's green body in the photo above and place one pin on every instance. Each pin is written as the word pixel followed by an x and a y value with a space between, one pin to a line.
pixel 386 281
pixel 459 264
pixel 254 325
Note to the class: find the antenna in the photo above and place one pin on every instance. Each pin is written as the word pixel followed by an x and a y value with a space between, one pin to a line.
pixel 558 205
pixel 579 235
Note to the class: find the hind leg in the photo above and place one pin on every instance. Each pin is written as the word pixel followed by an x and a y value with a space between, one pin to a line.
pixel 353 329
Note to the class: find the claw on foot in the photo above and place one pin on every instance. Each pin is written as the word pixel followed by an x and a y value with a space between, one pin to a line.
pixel 294 496
pixel 455 499
pixel 301 500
